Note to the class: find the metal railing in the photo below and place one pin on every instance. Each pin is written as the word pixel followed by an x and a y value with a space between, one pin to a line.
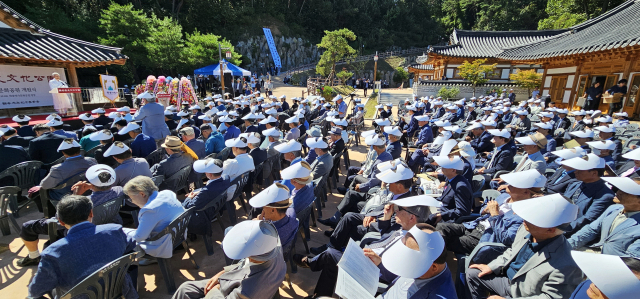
pixel 388 54
pixel 94 95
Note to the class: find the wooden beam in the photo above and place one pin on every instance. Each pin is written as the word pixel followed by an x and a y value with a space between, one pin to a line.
pixel 576 78
pixel 73 81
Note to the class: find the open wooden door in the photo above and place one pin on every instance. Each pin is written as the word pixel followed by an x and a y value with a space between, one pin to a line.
pixel 583 85
pixel 558 84
pixel 631 105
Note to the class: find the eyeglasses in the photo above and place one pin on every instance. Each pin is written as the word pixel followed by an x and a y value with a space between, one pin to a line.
pixel 399 208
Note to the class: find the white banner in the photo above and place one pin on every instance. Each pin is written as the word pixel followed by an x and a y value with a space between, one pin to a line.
pixel 26 86
pixel 109 87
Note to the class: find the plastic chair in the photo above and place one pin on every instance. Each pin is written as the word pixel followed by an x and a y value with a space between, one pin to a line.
pixel 287 252
pixel 92 152
pixel 302 139
pixel 156 156
pixel 477 183
pixel 104 283
pixel 214 206
pixel 46 200
pixel 48 166
pixel 224 154
pixel 177 229
pixel 333 174
pixel 549 172
pixel 320 191
pixel 177 181
pixel 272 173
pixel 240 181
pixel 303 229
pixel 104 213
pixel 25 175
pixel 7 194
pixel 157 180
pixel 347 161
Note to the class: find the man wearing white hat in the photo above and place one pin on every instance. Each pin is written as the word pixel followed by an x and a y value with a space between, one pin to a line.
pixel 622 119
pixel 242 162
pixel 129 167
pixel 142 144
pixel 73 164
pixel 539 262
pixel 231 131
pixel 106 139
pixel 426 132
pixel 497 223
pixel 521 123
pixel 56 126
pixel 381 113
pixel 274 205
pixel 394 148
pixel 617 230
pixel 200 223
pixel 336 142
pixel 609 276
pixel 9 136
pixel 589 193
pixel 608 133
pixel 480 138
pixel 259 273
pixel 394 222
pixel 563 122
pixel 24 129
pixel 299 177
pixel 152 117
pixel 501 157
pixel 294 133
pixel 564 175
pixel 87 120
pixel 418 262
pixel 324 162
pixel 457 196
pixel 102 119
pixel 169 121
pixel 631 168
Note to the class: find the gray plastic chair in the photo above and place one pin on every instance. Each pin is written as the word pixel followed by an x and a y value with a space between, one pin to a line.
pixel 7 194
pixel 104 283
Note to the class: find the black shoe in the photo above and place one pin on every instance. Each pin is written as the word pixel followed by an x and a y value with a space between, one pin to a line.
pixel 192 237
pixel 299 259
pixel 318 250
pixel 328 222
pixel 328 233
pixel 342 190
pixel 27 261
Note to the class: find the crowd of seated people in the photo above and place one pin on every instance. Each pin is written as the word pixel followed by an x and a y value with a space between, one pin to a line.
pixel 528 199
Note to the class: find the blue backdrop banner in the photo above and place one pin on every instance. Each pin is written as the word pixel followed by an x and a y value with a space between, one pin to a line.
pixel 272 47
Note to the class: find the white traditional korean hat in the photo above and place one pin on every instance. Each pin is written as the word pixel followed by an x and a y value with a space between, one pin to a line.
pixel 116 148
pixel 383 122
pixel 525 179
pixel 182 113
pixel 21 118
pixel 444 136
pixel 93 175
pixel 205 117
pixel 293 119
pixel 249 116
pixel 406 262
pixel 316 142
pixel 489 123
pixel 101 135
pixel 501 133
pixel 604 119
pixel 98 111
pixel 67 144
pixel 168 112
pixel 145 95
pixel 533 139
pixel 368 133
pixel 296 171
pixel 579 112
pixel 55 122
pixel 602 144
pixel 130 127
pixel 582 134
pixel 289 146
pixel 570 153
pixel 267 120
pixel 633 155
pixel 447 146
pixel 627 185
pixel 449 163
pixel 609 273
pixel 422 117
pixel 419 200
pixel 455 129
pixel 86 116
pixel 557 210
pixel 395 173
pixel 546 126
pixel 475 125
pixel 587 162
pixel 250 238
pixel 235 142
pixel 225 119
pixel 276 193
pixel 222 113
pixel 251 137
pixel 374 140
pixel 442 123
pixel 124 109
pixel 338 97
pixel 341 122
pixel 393 130
pixel 379 106
pixel 606 129
pixel 206 166
pixel 184 121
pixel 625 114
pixel 271 132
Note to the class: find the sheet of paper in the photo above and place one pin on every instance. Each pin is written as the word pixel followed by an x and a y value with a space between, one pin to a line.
pixel 360 268
pixel 349 288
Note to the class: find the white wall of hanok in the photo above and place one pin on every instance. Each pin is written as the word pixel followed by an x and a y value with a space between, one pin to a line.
pixel 466 91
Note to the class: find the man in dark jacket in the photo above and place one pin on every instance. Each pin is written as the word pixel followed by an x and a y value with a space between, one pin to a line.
pixel 502 157
pixel 200 223
pixel 482 139
pixel 457 196
pixel 25 130
pixel 44 147
pixel 11 137
pixel 336 145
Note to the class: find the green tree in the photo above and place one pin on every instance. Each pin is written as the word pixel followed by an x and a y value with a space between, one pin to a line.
pixel 344 75
pixel 476 72
pixel 165 44
pixel 567 13
pixel 400 76
pixel 528 79
pixel 336 45
pixel 448 93
pixel 128 29
pixel 202 50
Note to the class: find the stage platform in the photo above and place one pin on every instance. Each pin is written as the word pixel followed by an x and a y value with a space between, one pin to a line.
pixel 73 121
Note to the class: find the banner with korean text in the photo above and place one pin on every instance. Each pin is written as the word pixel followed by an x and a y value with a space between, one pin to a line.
pixel 26 86
pixel 109 87
pixel 272 47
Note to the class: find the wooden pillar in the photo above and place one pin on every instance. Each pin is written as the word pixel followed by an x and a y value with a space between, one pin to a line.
pixel 544 77
pixel 73 82
pixel 628 63
pixel 576 79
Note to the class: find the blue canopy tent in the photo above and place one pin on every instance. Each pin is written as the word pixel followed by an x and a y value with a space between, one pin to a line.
pixel 214 69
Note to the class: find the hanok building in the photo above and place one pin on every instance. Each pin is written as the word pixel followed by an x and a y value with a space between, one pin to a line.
pixel 604 49
pixel 24 43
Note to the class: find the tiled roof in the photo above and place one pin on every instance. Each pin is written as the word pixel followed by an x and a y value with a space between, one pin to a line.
pixel 424 67
pixel 488 44
pixel 42 44
pixel 615 29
